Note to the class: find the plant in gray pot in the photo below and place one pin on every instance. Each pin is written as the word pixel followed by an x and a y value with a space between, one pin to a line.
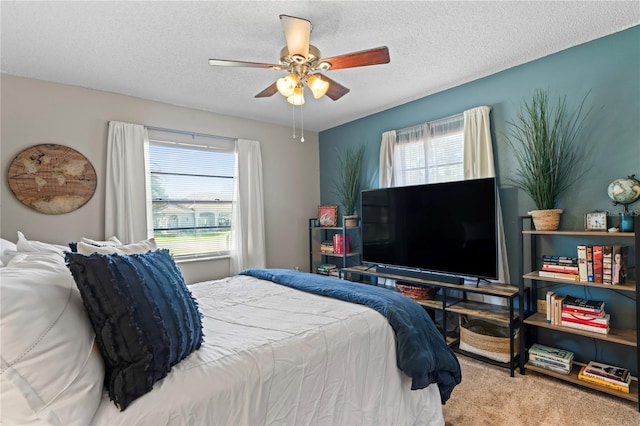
pixel 544 140
pixel 347 182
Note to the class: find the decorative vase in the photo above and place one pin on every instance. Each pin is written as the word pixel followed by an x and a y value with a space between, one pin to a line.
pixel 626 223
pixel 546 220
pixel 350 220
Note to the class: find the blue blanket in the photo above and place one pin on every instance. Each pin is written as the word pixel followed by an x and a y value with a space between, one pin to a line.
pixel 422 351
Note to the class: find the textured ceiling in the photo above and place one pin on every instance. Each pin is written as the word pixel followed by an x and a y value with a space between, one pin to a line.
pixel 159 50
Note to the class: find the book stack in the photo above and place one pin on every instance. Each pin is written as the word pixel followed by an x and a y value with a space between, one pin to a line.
pixel 553 359
pixel 583 314
pixel 339 245
pixel 609 376
pixel 327 269
pixel 562 267
pixel 602 264
pixel 326 247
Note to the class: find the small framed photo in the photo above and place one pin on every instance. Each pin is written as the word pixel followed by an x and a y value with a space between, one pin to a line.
pixel 328 215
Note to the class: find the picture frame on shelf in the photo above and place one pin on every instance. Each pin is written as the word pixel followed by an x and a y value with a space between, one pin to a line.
pixel 328 215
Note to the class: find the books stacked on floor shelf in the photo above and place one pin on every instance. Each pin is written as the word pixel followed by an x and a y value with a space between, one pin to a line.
pixel 583 314
pixel 326 247
pixel 560 267
pixel 551 359
pixel 609 376
pixel 327 269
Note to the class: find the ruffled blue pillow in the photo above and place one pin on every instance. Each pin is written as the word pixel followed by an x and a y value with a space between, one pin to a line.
pixel 144 316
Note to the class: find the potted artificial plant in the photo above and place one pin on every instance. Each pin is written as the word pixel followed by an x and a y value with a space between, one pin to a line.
pixel 545 146
pixel 347 182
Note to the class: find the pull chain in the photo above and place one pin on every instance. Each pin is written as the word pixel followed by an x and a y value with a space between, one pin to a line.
pixel 293 119
pixel 301 125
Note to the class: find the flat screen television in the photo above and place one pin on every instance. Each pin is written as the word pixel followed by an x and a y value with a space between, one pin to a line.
pixel 443 228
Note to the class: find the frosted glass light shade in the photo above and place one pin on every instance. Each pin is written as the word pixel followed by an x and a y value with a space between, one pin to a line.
pixel 298 96
pixel 317 85
pixel 287 84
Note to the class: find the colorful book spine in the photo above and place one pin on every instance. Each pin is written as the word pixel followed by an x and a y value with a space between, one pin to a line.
pixel 584 327
pixel 551 353
pixel 550 367
pixel 590 264
pixel 619 265
pixel 582 262
pixel 618 387
pixel 557 364
pixel 599 376
pixel 607 263
pixel 560 275
pixel 612 372
pixel 583 319
pixel 578 311
pixel 548 300
pixel 584 304
pixel 597 264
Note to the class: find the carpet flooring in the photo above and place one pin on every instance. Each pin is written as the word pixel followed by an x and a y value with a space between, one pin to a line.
pixel 489 396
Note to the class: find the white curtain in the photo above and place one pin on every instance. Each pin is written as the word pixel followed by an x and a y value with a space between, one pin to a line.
pixel 478 163
pixel 249 249
pixel 386 159
pixel 126 202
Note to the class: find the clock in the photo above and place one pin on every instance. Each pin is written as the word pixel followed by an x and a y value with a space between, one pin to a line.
pixel 595 221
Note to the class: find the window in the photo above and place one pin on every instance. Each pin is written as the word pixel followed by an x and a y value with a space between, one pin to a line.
pixel 431 152
pixel 192 186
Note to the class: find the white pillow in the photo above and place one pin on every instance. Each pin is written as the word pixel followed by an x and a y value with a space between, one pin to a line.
pixel 113 241
pixel 34 246
pixel 139 247
pixel 7 251
pixel 51 373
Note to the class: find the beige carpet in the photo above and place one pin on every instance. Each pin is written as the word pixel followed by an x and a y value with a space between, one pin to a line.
pixel 489 396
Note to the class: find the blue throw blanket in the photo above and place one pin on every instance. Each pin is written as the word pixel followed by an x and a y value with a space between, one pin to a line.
pixel 422 351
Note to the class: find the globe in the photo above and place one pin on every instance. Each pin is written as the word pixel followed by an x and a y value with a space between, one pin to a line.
pixel 624 190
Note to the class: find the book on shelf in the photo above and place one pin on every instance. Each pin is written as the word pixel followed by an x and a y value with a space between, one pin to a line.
pixel 590 264
pixel 560 268
pixel 557 364
pixel 584 304
pixel 551 353
pixel 560 275
pixel 619 387
pixel 550 367
pixel 327 266
pixel 590 314
pixel 619 264
pixel 341 244
pixel 549 310
pixel 582 262
pixel 548 258
pixel 586 327
pixel 601 322
pixel 597 264
pixel 608 372
pixel 607 261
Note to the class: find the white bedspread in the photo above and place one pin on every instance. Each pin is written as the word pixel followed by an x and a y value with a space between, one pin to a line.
pixel 277 356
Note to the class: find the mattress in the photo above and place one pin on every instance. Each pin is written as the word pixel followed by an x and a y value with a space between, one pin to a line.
pixel 279 356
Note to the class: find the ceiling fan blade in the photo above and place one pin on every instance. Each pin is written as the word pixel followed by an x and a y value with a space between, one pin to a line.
pixel 297 32
pixel 226 63
pixel 375 56
pixel 336 90
pixel 269 91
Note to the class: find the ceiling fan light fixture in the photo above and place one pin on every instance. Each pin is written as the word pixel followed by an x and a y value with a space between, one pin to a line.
pixel 297 98
pixel 318 85
pixel 287 84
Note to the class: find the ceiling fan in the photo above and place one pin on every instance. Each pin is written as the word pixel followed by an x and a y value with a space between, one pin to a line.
pixel 302 61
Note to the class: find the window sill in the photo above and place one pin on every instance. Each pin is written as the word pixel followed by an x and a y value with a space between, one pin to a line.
pixel 201 258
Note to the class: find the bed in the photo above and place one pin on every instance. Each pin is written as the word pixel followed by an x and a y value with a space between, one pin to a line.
pixel 271 354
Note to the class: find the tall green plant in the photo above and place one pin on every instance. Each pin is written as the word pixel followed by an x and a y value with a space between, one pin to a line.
pixel 545 145
pixel 347 183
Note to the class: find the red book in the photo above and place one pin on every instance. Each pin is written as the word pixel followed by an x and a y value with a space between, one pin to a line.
pixel 339 244
pixel 592 314
pixel 592 322
pixel 597 264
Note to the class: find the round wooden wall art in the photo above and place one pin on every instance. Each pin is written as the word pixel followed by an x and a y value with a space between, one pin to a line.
pixel 52 179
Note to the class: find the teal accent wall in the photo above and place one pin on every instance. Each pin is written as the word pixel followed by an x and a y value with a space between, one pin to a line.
pixel 607 68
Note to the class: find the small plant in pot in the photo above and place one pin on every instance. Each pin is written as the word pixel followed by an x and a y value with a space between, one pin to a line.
pixel 544 140
pixel 347 182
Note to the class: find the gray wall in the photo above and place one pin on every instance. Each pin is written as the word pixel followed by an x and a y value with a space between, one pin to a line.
pixel 35 112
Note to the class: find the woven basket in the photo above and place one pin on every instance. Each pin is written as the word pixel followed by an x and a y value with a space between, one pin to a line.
pixel 546 220
pixel 417 292
pixel 487 339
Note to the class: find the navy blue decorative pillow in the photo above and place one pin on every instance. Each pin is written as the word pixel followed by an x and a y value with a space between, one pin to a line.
pixel 144 316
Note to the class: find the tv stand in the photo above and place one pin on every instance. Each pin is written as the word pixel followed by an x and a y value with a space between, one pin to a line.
pixel 453 298
pixel 423 275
